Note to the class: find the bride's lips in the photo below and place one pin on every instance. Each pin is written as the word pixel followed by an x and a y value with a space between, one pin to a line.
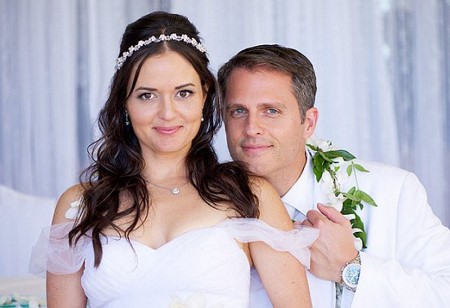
pixel 167 130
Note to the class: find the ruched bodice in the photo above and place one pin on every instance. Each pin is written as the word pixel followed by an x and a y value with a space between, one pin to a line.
pixel 183 267
pixel 201 268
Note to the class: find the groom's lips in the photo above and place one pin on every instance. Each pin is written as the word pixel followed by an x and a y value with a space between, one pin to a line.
pixel 255 149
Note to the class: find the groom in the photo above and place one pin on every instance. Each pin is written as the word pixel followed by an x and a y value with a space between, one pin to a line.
pixel 269 94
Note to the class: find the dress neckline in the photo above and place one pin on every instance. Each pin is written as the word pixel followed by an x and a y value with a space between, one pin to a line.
pixel 173 240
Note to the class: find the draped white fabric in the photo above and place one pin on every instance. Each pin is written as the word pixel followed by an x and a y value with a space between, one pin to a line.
pixel 383 70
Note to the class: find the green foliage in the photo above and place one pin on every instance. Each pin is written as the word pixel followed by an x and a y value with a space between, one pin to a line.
pixel 355 198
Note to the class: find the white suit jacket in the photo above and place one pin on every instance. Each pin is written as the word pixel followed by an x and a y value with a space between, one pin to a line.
pixel 407 260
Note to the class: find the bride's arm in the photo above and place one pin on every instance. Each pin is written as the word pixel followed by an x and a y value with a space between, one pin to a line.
pixel 64 290
pixel 282 275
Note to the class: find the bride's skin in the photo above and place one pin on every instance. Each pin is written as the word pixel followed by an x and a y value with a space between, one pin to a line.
pixel 165 110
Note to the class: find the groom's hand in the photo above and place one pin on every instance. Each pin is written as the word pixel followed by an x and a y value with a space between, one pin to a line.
pixel 334 247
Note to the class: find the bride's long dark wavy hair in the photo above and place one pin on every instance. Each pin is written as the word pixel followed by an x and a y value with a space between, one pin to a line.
pixel 117 158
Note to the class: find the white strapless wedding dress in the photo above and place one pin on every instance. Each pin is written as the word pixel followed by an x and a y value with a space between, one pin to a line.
pixel 201 268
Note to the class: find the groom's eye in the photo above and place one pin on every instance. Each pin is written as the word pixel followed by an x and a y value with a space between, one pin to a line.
pixel 237 112
pixel 272 111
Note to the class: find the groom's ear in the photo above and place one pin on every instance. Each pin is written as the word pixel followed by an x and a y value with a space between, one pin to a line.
pixel 310 121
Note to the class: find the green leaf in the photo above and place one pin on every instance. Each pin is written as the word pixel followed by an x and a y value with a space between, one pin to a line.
pixel 363 237
pixel 358 223
pixel 349 170
pixel 347 203
pixel 318 166
pixel 325 157
pixel 340 153
pixel 318 173
pixel 346 210
pixel 351 190
pixel 360 168
pixel 361 206
pixel 352 197
pixel 366 198
pixel 312 147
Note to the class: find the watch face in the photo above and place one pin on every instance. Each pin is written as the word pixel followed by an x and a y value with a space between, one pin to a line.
pixel 350 274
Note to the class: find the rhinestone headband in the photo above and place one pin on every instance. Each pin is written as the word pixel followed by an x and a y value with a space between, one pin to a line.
pixel 153 39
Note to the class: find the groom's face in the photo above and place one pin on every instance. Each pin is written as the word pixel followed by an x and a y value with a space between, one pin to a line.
pixel 263 123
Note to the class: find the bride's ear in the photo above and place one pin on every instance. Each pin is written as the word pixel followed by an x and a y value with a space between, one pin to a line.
pixel 310 121
pixel 205 88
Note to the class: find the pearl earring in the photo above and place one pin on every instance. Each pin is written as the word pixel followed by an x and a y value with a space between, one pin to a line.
pixel 202 119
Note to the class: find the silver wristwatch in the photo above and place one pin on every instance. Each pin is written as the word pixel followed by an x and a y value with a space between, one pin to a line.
pixel 350 273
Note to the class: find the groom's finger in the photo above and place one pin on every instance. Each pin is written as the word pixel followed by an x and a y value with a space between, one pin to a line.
pixel 316 218
pixel 306 223
pixel 332 214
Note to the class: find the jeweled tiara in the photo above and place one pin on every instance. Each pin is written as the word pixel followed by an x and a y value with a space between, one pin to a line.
pixel 153 39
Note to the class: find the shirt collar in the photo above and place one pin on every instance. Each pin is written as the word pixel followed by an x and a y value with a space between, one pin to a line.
pixel 301 194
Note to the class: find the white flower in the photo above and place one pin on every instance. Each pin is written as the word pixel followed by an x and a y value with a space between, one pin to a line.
pixel 358 243
pixel 72 212
pixel 327 183
pixel 329 187
pixel 350 216
pixel 324 145
pixel 340 163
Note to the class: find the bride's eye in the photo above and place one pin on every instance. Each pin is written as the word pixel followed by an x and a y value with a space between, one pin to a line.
pixel 146 96
pixel 185 93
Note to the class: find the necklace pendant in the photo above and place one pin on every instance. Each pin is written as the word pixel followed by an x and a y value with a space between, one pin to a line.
pixel 175 191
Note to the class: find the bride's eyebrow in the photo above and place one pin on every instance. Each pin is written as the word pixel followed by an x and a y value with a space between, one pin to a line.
pixel 154 89
pixel 145 89
pixel 184 85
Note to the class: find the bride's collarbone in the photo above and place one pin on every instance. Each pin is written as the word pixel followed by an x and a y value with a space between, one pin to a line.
pixel 169 217
pixel 165 225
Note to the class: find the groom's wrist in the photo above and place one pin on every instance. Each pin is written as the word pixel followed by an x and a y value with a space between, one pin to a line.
pixel 350 273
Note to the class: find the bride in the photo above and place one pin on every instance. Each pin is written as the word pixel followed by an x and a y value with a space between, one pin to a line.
pixel 157 220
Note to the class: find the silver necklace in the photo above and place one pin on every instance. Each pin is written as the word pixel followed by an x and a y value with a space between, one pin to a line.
pixel 174 190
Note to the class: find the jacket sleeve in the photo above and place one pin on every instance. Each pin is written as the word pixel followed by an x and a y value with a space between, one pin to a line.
pixel 412 269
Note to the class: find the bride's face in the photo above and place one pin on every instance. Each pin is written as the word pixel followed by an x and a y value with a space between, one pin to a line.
pixel 165 106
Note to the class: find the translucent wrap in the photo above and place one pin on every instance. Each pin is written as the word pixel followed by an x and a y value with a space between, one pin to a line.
pixel 53 253
pixel 202 265
pixel 296 241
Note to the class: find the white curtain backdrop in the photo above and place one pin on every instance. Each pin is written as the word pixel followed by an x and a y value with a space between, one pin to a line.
pixel 383 70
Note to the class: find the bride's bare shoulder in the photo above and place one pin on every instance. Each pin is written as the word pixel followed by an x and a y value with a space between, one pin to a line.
pixel 271 208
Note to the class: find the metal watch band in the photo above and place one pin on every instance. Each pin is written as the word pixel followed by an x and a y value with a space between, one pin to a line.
pixel 356 260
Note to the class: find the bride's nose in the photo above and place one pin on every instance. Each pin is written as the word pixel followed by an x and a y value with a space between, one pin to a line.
pixel 167 109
